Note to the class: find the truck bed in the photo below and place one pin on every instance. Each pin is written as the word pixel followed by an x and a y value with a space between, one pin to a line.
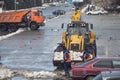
pixel 11 17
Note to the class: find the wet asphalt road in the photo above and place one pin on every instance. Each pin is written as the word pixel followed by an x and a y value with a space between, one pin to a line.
pixel 33 50
pixel 107 29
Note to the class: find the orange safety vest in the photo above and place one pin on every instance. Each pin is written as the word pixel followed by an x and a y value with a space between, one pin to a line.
pixel 68 58
pixel 89 58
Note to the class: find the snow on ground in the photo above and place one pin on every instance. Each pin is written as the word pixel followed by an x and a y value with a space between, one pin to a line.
pixel 11 34
pixel 40 74
pixel 6 73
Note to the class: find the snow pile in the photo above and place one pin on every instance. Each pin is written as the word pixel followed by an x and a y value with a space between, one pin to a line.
pixel 40 74
pixel 5 73
pixel 11 34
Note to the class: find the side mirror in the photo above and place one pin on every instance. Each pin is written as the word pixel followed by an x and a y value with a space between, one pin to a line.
pixel 91 26
pixel 62 26
pixel 40 12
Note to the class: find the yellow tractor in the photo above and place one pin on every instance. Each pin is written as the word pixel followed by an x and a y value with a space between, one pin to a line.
pixel 79 39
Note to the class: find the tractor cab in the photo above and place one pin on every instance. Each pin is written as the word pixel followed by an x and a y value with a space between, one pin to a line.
pixel 77 28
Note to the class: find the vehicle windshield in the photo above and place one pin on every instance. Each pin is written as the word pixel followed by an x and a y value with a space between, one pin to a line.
pixel 38 13
pixel 73 30
pixel 77 29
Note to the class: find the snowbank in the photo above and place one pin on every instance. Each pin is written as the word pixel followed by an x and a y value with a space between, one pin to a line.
pixel 39 74
pixel 6 73
pixel 11 34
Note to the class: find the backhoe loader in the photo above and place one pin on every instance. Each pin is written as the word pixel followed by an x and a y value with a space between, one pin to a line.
pixel 78 39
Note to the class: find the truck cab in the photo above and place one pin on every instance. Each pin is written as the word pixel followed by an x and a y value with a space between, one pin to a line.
pixel 36 19
pixel 37 16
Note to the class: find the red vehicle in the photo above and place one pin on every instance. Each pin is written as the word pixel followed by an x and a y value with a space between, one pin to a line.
pixel 88 70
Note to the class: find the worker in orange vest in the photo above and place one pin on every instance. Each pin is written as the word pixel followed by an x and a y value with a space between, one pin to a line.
pixel 88 55
pixel 67 62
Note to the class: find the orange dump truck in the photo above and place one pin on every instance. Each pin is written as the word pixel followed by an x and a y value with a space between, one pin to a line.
pixel 12 21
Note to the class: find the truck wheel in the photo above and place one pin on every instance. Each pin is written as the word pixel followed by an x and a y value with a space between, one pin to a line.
pixel 34 26
pixel 3 28
pixel 13 28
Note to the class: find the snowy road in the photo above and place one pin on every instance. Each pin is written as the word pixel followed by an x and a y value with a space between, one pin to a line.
pixel 33 50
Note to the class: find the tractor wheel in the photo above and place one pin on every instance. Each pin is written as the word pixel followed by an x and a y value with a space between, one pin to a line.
pixel 34 26
pixel 3 27
pixel 13 28
pixel 94 49
pixel 93 53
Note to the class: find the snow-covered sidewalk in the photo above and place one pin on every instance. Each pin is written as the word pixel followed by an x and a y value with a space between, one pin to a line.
pixel 6 73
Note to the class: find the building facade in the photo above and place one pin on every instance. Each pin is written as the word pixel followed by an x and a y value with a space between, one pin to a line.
pixel 21 4
pixel 107 3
